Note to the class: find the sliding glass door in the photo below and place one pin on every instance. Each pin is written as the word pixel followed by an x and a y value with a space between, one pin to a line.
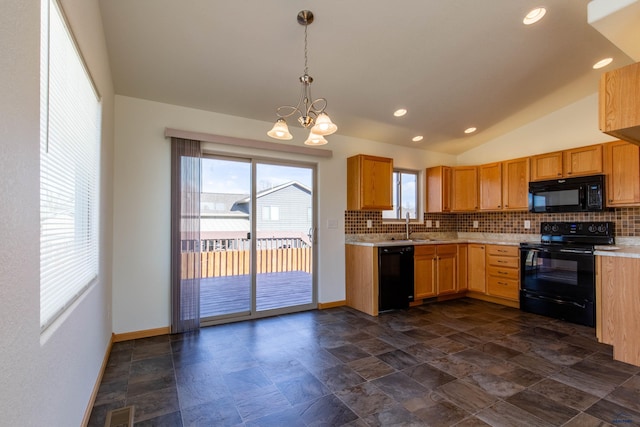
pixel 225 228
pixel 284 224
pixel 257 235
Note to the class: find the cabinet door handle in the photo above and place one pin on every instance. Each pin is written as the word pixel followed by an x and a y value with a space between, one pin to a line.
pixel 501 261
pixel 503 272
pixel 503 283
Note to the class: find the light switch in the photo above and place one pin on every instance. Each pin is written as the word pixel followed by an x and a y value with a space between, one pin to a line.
pixel 437 224
pixel 475 224
pixel 527 224
pixel 369 223
pixel 429 223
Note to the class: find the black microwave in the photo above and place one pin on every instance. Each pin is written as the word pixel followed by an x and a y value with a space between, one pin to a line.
pixel 580 194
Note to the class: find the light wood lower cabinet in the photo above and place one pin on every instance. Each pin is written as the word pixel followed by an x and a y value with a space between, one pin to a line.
pixel 463 276
pixel 503 271
pixel 441 271
pixel 476 268
pixel 435 270
pixel 446 269
pixel 361 278
pixel 617 302
pixel 424 263
pixel 494 273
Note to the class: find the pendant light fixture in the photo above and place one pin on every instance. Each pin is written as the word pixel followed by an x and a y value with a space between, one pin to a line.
pixel 311 111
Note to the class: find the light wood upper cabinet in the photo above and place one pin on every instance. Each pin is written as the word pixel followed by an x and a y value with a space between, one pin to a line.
pixel 546 166
pixel 619 103
pixel 568 163
pixel 476 268
pixel 464 188
pixel 515 184
pixel 622 170
pixel 490 177
pixel 438 189
pixel 583 161
pixel 369 183
pixel 424 268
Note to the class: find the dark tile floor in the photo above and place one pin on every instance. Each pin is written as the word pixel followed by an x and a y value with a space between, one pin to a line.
pixel 463 362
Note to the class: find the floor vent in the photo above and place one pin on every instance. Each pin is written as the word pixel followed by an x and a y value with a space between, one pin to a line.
pixel 122 417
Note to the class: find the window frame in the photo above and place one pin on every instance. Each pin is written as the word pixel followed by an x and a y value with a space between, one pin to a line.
pixel 397 197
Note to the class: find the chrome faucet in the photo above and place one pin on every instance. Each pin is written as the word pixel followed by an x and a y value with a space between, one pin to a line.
pixel 407 225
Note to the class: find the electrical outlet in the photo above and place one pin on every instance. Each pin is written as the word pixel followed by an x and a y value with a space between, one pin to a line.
pixel 475 224
pixel 429 223
pixel 369 223
pixel 437 224
pixel 527 224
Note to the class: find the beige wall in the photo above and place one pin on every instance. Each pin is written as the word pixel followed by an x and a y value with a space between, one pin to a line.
pixel 572 126
pixel 48 379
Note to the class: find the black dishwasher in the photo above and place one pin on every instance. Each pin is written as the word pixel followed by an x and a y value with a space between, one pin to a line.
pixel 395 277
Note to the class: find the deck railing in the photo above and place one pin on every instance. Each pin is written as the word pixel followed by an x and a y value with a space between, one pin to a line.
pixel 237 262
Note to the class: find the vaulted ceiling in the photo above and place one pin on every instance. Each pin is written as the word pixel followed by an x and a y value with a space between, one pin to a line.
pixel 452 64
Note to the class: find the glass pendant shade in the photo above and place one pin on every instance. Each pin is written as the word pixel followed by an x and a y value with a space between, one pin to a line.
pixel 280 130
pixel 324 125
pixel 315 139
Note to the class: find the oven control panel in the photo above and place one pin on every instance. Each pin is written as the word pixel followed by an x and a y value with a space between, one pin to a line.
pixel 577 228
pixel 594 233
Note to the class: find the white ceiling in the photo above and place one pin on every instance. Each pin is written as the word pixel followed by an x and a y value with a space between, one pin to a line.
pixel 453 64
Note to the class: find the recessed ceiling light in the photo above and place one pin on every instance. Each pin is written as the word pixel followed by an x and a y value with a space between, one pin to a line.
pixel 470 130
pixel 400 112
pixel 602 63
pixel 417 138
pixel 534 15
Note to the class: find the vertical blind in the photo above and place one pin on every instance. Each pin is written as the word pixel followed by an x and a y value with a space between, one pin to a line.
pixel 69 158
pixel 185 227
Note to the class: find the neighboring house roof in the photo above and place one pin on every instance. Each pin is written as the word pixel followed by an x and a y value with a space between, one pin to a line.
pixel 274 189
pixel 220 203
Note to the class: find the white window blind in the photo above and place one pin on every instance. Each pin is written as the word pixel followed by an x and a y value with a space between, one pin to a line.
pixel 69 159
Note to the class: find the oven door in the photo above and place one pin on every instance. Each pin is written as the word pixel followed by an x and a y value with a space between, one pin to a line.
pixel 561 273
pixel 558 284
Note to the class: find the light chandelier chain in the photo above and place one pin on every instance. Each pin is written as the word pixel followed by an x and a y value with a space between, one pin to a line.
pixel 306 68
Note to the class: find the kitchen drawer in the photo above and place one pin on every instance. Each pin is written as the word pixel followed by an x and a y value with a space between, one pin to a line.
pixel 424 250
pixel 506 273
pixel 502 250
pixel 503 288
pixel 503 261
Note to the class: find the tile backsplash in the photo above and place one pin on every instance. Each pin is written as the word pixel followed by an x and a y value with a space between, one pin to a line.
pixel 627 222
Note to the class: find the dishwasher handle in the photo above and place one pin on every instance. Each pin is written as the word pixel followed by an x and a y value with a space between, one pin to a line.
pixel 397 250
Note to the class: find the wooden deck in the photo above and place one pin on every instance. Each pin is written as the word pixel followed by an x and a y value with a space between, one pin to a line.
pixel 231 294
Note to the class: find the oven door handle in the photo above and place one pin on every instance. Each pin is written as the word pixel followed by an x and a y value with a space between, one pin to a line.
pixel 557 301
pixel 577 251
